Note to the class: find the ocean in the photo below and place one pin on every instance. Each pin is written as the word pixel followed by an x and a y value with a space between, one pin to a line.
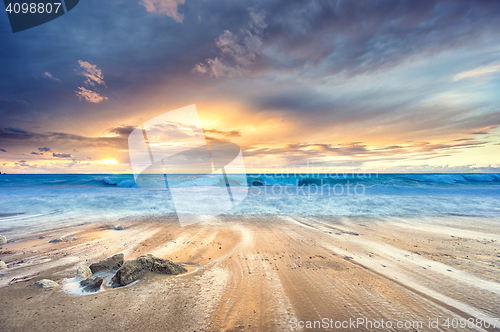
pixel 39 202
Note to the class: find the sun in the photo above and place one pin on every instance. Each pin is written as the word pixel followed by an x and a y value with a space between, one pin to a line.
pixel 108 161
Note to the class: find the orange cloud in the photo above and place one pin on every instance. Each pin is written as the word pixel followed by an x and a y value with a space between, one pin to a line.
pixel 89 95
pixel 165 7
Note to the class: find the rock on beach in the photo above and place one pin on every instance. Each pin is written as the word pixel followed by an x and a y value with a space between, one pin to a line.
pixel 110 264
pixel 134 269
pixel 46 283
pixel 92 284
pixel 83 272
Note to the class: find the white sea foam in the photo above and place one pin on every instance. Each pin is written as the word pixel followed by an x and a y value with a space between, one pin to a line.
pixel 31 203
pixel 72 285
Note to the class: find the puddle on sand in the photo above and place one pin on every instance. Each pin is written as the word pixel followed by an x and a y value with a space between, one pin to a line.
pixel 72 285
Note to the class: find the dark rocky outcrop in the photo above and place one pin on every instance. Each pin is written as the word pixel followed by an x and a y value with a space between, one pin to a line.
pixel 110 264
pixel 134 269
pixel 92 284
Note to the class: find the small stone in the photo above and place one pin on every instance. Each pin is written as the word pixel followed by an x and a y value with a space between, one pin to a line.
pixel 83 272
pixel 3 265
pixel 60 239
pixel 46 283
pixel 63 239
pixel 92 284
pixel 110 264
pixel 3 239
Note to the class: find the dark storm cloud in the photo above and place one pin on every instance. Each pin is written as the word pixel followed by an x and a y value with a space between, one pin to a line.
pixel 360 36
pixel 115 142
pixel 122 130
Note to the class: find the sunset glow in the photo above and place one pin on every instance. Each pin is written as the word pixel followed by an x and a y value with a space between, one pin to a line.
pixel 109 161
pixel 307 88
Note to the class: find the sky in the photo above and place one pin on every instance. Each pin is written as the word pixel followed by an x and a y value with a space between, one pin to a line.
pixel 385 86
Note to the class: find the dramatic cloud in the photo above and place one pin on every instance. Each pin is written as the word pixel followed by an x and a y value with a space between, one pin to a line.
pixel 301 152
pixel 49 75
pixel 3 150
pixel 353 38
pixel 238 51
pixel 92 73
pixel 89 95
pixel 36 153
pixel 111 142
pixel 165 7
pixel 387 74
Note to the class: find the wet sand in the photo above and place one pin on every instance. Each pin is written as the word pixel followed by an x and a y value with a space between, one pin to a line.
pixel 259 274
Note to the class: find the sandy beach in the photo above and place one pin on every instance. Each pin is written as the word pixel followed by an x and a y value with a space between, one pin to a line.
pixel 180 166
pixel 260 274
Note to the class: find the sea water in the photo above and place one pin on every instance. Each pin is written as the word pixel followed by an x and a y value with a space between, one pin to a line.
pixel 38 202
